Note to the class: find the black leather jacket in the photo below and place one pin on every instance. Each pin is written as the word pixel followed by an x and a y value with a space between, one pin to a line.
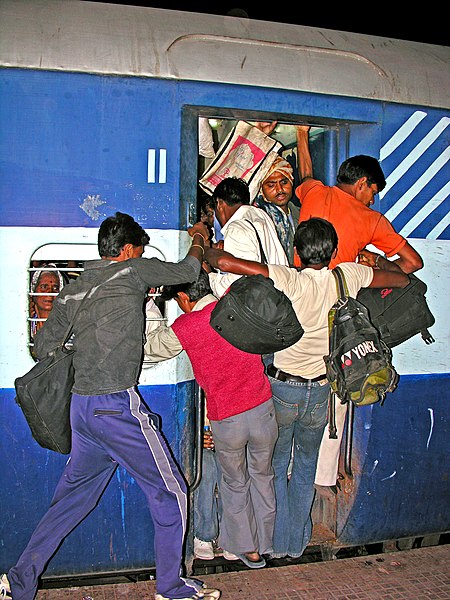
pixel 109 329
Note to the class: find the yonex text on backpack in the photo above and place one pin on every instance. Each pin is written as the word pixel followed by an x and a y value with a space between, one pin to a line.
pixel 358 366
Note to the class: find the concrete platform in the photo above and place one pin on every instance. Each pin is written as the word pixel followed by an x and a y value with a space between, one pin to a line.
pixel 419 574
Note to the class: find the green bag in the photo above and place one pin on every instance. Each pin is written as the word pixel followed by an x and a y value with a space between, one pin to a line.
pixel 359 364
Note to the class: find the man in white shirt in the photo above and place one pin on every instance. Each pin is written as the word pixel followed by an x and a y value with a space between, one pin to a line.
pixel 299 384
pixel 242 224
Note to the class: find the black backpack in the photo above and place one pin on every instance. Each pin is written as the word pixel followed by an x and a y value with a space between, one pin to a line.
pixel 359 364
pixel 399 313
pixel 256 317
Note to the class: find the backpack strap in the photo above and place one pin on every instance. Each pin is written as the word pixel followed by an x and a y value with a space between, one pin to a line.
pixel 426 336
pixel 68 333
pixel 261 250
pixel 341 284
pixel 332 429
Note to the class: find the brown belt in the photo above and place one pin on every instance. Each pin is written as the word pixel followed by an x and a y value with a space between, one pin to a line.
pixel 282 376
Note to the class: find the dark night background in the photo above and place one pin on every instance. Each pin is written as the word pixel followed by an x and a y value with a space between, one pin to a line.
pixel 420 22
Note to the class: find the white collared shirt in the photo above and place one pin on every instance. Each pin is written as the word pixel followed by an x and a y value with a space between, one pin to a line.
pixel 241 241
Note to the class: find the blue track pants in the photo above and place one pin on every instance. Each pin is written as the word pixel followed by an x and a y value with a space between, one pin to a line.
pixel 107 431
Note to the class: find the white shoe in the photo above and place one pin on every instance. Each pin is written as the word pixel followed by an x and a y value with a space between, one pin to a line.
pixel 5 590
pixel 203 550
pixel 229 555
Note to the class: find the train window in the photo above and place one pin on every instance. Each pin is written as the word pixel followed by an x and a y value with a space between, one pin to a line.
pixel 53 266
pixel 46 279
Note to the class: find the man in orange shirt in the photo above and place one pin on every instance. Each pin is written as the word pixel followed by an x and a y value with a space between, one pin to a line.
pixel 347 206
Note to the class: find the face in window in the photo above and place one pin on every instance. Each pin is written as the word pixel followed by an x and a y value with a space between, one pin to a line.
pixel 207 215
pixel 47 283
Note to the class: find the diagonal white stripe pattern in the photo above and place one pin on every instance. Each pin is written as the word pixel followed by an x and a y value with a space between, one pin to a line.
pixel 402 134
pixel 426 210
pixel 415 154
pixel 419 185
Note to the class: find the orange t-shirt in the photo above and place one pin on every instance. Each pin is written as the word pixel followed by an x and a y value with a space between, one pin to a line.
pixel 356 224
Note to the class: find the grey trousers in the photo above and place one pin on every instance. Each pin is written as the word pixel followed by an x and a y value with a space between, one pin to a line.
pixel 244 447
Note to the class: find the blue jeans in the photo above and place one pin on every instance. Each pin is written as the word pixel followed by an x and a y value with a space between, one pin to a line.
pixel 301 412
pixel 207 507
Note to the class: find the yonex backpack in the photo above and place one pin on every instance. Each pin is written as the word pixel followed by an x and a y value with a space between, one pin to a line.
pixel 358 366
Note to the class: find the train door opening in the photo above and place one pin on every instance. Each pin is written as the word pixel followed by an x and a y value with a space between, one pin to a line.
pixel 327 143
pixel 214 131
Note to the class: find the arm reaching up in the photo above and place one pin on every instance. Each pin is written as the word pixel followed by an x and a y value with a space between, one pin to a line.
pixel 305 169
pixel 200 240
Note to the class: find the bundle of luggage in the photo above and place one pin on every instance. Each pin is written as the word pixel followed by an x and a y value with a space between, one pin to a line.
pixel 362 331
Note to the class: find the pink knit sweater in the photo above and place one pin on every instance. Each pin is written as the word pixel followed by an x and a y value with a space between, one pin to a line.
pixel 234 381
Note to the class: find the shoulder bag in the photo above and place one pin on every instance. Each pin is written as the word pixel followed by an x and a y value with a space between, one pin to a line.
pixel 256 317
pixel 45 392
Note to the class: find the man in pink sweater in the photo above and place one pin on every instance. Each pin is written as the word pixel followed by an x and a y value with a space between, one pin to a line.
pixel 241 412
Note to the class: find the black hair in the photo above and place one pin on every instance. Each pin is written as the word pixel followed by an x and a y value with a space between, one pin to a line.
pixel 232 191
pixel 315 240
pixel 205 200
pixel 206 204
pixel 117 231
pixel 194 290
pixel 359 166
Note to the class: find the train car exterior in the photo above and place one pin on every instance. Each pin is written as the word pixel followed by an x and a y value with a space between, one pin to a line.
pixel 99 112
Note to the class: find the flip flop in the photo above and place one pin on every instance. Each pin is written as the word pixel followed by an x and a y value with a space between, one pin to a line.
pixel 252 564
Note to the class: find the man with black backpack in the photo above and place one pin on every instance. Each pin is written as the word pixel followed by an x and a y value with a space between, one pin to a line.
pixel 298 376
pixel 348 205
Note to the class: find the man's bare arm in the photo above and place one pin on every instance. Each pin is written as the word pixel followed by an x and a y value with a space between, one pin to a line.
pixel 226 262
pixel 386 273
pixel 305 169
pixel 409 260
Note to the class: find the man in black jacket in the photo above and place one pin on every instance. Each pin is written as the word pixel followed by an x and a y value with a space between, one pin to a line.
pixel 111 425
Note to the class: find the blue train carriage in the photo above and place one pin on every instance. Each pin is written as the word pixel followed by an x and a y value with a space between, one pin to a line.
pixel 100 107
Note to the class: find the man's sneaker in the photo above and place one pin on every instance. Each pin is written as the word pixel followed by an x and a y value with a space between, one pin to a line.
pixel 5 590
pixel 230 556
pixel 210 593
pixel 203 550
pixel 204 593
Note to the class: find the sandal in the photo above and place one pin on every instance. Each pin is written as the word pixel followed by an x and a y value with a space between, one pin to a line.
pixel 252 564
